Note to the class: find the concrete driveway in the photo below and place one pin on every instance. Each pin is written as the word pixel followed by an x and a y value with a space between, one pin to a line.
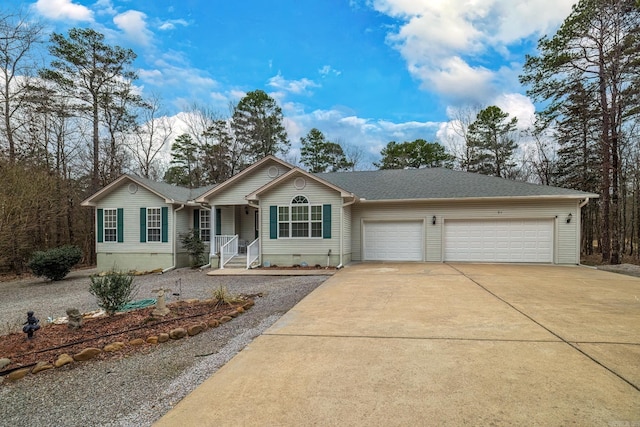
pixel 439 344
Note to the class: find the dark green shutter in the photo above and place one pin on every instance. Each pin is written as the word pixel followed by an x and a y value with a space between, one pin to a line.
pixel 196 219
pixel 143 225
pixel 165 224
pixel 326 221
pixel 218 222
pixel 120 230
pixel 273 222
pixel 100 226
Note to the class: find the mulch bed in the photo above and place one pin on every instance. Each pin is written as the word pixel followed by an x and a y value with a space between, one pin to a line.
pixel 52 340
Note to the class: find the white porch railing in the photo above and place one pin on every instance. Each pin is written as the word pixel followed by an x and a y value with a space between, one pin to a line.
pixel 253 252
pixel 228 251
pixel 219 241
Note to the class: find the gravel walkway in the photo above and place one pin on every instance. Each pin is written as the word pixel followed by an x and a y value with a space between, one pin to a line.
pixel 138 390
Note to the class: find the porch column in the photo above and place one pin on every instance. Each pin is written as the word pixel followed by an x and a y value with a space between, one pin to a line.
pixel 212 232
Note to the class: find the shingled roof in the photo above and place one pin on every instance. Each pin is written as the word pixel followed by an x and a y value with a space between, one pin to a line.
pixel 439 183
pixel 173 192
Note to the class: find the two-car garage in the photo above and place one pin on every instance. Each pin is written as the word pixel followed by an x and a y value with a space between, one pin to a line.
pixel 480 240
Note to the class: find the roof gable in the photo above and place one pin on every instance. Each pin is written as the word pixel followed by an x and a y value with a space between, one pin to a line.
pixel 294 172
pixel 170 193
pixel 239 177
pixel 440 183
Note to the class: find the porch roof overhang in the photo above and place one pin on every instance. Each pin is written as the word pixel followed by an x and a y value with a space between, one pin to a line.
pixel 294 172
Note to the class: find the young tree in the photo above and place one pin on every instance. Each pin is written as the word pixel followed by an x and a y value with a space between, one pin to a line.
pixel 320 155
pixel 491 137
pixel 186 170
pixel 94 74
pixel 257 123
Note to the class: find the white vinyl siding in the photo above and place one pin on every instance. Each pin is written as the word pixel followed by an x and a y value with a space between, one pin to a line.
pixel 317 194
pixel 131 204
pixel 565 241
pixel 235 192
pixel 499 240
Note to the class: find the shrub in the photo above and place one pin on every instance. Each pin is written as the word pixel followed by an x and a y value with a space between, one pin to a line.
pixel 55 263
pixel 195 247
pixel 113 290
pixel 223 296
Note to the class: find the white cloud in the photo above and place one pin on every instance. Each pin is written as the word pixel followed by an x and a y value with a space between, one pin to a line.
pixel 134 25
pixel 172 23
pixel 519 106
pixel 105 7
pixel 441 41
pixel 292 86
pixel 63 9
pixel 327 70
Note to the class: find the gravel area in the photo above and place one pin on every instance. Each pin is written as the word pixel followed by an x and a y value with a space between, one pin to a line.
pixel 137 390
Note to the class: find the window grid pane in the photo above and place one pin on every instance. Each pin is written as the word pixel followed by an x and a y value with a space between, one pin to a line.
pixel 205 225
pixel 283 213
pixel 153 225
pixel 110 225
pixel 299 213
pixel 283 229
pixel 316 229
pixel 316 213
pixel 299 229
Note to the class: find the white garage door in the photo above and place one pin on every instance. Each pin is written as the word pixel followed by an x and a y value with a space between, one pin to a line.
pixel 393 241
pixel 499 240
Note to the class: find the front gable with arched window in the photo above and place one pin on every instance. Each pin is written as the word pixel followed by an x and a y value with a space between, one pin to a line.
pixel 300 219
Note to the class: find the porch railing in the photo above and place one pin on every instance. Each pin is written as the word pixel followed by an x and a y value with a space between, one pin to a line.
pixel 228 251
pixel 219 241
pixel 253 252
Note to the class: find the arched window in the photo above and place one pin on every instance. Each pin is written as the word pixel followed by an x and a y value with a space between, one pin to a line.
pixel 300 219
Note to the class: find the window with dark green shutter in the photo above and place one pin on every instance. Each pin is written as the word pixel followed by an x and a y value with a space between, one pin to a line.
pixel 120 224
pixel 143 225
pixel 326 221
pixel 100 225
pixel 165 224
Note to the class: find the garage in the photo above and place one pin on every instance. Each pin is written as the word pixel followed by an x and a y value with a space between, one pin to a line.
pixel 393 241
pixel 500 240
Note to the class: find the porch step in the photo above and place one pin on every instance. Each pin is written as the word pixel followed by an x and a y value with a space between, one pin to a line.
pixel 237 262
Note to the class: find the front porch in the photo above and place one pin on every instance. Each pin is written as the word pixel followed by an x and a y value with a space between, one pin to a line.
pixel 236 243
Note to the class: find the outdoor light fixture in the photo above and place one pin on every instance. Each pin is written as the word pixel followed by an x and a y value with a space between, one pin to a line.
pixel 569 218
pixel 433 220
pixel 246 210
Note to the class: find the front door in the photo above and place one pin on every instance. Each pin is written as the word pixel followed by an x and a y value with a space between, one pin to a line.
pixel 256 226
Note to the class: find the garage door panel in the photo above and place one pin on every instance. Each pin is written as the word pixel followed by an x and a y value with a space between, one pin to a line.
pixel 499 240
pixel 393 241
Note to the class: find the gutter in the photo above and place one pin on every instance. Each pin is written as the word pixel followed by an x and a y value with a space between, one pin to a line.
pixel 175 243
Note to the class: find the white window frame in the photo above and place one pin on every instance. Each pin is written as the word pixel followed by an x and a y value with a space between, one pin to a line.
pixel 152 214
pixel 205 225
pixel 110 225
pixel 304 213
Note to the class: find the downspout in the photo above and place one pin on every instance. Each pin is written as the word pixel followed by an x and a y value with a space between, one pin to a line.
pixel 175 243
pixel 344 205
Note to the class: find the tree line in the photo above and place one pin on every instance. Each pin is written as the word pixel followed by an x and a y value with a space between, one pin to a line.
pixel 75 124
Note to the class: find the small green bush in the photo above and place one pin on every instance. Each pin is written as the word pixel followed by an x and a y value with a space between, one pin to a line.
pixel 113 290
pixel 55 263
pixel 195 247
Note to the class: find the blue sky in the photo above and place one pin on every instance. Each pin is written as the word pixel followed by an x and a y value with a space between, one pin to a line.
pixel 364 72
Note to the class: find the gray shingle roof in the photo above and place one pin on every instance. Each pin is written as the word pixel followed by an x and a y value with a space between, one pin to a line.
pixel 174 192
pixel 437 183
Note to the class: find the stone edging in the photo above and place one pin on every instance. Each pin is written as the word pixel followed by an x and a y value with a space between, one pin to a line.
pixel 91 352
